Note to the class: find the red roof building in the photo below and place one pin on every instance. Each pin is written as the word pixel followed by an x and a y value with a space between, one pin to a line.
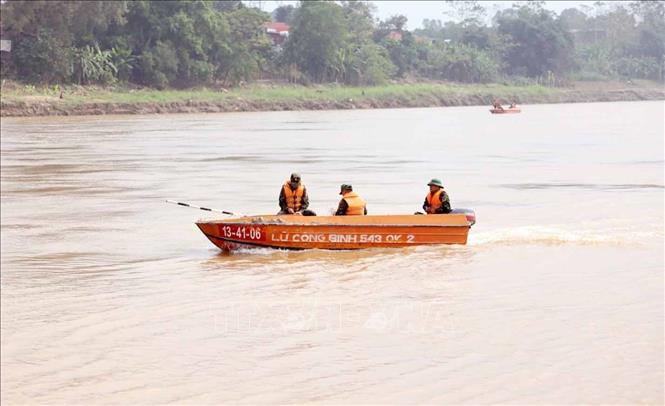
pixel 277 31
pixel 395 35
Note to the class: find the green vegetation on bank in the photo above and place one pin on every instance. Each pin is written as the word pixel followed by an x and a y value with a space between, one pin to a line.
pixel 30 100
pixel 78 95
pixel 183 44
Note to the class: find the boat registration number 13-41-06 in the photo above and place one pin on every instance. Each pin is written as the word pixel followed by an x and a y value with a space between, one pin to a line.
pixel 242 232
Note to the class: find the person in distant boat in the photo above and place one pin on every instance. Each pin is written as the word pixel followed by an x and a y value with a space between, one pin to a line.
pixel 293 197
pixel 497 105
pixel 513 105
pixel 437 200
pixel 351 204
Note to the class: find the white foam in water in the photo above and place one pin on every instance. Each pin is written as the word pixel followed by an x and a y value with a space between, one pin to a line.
pixel 565 234
pixel 259 251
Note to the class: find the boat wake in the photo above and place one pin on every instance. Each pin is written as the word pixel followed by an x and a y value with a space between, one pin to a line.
pixel 561 235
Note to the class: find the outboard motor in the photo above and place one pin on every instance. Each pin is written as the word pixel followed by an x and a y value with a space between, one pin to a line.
pixel 470 215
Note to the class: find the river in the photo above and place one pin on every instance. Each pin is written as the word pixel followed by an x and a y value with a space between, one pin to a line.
pixel 112 296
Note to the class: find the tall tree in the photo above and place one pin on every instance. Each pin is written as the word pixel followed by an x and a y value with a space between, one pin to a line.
pixel 365 62
pixel 538 42
pixel 250 46
pixel 316 40
pixel 44 33
pixel 284 14
pixel 227 6
pixel 68 20
pixel 573 19
pixel 651 31
pixel 178 43
pixel 396 22
pixel 466 12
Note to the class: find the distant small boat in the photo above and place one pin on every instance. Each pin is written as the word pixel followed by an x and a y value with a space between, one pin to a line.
pixel 506 110
pixel 338 232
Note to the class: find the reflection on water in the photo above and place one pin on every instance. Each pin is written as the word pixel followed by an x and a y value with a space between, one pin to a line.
pixel 109 295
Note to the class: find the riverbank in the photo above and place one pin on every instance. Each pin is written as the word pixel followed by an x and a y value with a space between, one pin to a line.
pixel 25 100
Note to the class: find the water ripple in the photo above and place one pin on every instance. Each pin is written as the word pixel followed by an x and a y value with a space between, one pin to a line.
pixel 584 186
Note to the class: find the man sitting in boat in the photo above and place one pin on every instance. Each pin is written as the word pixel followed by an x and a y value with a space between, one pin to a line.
pixel 293 197
pixel 351 204
pixel 512 105
pixel 437 200
pixel 497 105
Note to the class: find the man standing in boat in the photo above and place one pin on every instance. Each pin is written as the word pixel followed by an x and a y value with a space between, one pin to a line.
pixel 293 197
pixel 497 105
pixel 351 204
pixel 437 200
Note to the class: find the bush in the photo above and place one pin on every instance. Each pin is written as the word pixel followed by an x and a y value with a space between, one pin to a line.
pixel 42 59
pixel 201 73
pixel 124 62
pixel 369 65
pixel 159 66
pixel 461 63
pixel 589 76
pixel 639 68
pixel 92 65
pixel 514 80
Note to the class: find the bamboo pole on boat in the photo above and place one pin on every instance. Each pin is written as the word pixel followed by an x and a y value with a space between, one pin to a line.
pixel 203 208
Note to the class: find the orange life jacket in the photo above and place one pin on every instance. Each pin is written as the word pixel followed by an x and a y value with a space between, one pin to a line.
pixel 294 197
pixel 434 201
pixel 356 204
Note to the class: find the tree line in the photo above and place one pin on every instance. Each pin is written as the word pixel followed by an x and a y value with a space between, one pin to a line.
pixel 180 44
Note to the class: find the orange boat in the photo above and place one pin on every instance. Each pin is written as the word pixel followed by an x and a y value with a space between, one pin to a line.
pixel 339 232
pixel 505 111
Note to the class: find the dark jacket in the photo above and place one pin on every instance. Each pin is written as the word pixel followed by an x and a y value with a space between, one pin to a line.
pixel 445 204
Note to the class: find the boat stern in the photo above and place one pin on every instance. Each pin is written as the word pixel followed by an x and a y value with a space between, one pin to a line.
pixel 468 213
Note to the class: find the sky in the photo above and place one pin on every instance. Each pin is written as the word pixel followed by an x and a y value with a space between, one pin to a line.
pixel 417 11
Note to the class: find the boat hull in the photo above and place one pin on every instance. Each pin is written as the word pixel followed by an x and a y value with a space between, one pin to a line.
pixel 505 111
pixel 336 232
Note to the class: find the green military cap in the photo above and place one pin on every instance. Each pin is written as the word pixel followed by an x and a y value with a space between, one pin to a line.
pixel 345 187
pixel 435 182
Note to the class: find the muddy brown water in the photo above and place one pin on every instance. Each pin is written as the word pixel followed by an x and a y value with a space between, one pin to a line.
pixel 111 296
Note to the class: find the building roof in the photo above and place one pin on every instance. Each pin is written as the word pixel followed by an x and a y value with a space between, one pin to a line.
pixel 276 27
pixel 395 35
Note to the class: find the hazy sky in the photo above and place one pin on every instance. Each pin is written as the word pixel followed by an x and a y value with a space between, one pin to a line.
pixel 417 11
